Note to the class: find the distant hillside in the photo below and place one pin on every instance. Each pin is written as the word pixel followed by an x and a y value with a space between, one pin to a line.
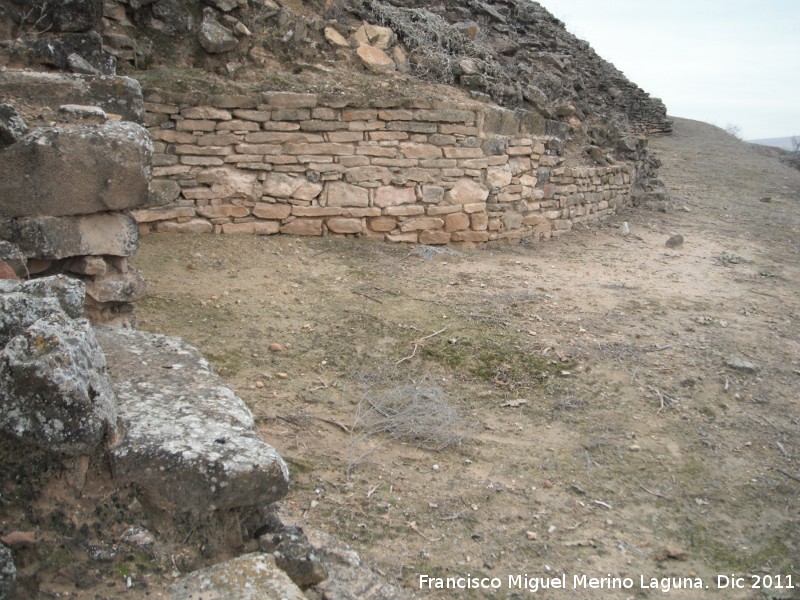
pixel 783 142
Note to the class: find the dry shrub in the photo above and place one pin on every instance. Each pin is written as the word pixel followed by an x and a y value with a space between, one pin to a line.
pixel 418 412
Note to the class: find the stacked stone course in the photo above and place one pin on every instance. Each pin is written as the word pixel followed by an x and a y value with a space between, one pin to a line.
pixel 403 171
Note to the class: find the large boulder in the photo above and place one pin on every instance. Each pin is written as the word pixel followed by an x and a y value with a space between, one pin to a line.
pixel 190 442
pixel 54 392
pixel 59 171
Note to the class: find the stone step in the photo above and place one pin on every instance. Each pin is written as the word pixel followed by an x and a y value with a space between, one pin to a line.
pixel 187 440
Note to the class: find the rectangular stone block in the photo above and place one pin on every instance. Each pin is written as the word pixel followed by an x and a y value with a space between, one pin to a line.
pixel 233 101
pixel 291 114
pixel 345 225
pixel 446 116
pixel 206 112
pixel 416 150
pixel 359 115
pixel 412 126
pixel 302 227
pixel 259 149
pixel 433 238
pixel 253 227
pixel 195 125
pixel 51 238
pixel 322 126
pixel 421 224
pixel 408 210
pixel 259 116
pixel 237 125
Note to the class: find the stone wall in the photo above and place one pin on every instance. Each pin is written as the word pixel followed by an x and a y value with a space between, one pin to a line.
pixel 404 171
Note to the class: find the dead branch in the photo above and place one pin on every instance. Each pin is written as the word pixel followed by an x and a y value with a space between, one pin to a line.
pixel 417 344
pixel 656 494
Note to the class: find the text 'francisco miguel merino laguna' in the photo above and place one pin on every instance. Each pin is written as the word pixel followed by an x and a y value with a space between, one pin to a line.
pixel 578 582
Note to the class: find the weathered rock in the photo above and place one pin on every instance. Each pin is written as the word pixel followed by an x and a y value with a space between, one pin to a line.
pixel 248 577
pixel 79 113
pixel 24 302
pixel 374 35
pixel 116 234
pixel 294 555
pixel 8 572
pixel 739 364
pixel 190 441
pixel 215 37
pixel 13 257
pixel 54 393
pixel 12 127
pixel 375 60
pixel 116 287
pixel 76 16
pixel 76 170
pixel 338 193
pixel 56 52
pixel 78 64
pixel 467 191
pixel 348 577
pixel 499 177
pixel 674 241
pixel 173 15
pixel 336 38
pixel 163 191
pixel 116 95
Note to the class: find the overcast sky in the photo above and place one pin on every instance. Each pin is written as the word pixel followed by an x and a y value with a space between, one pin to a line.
pixel 721 61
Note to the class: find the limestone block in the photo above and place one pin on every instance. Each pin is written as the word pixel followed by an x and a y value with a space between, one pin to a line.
pixel 116 287
pixel 368 173
pixel 389 195
pixel 190 226
pixel 434 237
pixel 423 223
pixel 254 227
pixel 467 191
pixel 345 225
pixel 415 150
pixel 190 441
pixel 166 213
pixel 375 60
pixel 499 177
pixel 206 112
pixel 383 224
pixel 25 302
pixel 76 170
pixel 303 227
pixel 54 392
pixel 279 185
pixel 248 577
pixel 456 222
pixel 61 237
pixel 338 193
pixel 307 191
pixel 264 210
pixel 215 211
pixel 405 210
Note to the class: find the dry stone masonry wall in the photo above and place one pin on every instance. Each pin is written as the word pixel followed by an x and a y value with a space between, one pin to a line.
pixel 403 171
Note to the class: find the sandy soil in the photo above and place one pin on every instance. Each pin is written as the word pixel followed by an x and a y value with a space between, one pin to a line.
pixel 611 407
pixel 625 409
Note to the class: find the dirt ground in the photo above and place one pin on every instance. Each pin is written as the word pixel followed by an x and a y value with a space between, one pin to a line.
pixel 616 408
pixel 597 406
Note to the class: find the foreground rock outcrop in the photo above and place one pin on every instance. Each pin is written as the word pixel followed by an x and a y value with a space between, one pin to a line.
pixel 189 441
pixel 54 392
